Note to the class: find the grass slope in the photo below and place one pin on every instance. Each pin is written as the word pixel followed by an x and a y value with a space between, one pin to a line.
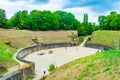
pixel 6 53
pixel 101 66
pixel 108 38
pixel 23 38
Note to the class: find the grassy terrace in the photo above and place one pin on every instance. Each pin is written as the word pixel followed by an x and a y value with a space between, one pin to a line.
pixel 108 38
pixel 23 38
pixel 6 53
pixel 101 66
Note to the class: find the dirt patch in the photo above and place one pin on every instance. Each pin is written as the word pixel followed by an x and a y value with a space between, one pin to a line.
pixel 2 68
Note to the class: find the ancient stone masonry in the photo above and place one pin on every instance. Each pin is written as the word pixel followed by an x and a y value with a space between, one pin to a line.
pixel 29 69
pixel 98 46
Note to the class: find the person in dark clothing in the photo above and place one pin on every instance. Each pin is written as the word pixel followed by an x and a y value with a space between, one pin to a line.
pixel 44 72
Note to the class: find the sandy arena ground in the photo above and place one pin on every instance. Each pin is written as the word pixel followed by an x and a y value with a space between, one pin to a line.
pixel 59 57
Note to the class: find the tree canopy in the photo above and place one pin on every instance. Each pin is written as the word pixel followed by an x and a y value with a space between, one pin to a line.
pixel 67 21
pixel 110 22
pixel 58 20
pixel 44 20
pixel 3 19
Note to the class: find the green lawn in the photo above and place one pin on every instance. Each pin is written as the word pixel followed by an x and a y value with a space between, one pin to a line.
pixel 6 53
pixel 108 38
pixel 101 66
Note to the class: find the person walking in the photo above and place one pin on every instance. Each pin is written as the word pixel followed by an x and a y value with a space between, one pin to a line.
pixel 44 72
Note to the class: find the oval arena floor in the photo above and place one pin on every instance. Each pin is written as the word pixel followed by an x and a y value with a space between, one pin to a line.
pixel 58 57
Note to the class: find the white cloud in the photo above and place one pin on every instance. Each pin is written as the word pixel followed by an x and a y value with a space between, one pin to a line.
pixel 53 5
pixel 116 7
pixel 13 7
pixel 79 12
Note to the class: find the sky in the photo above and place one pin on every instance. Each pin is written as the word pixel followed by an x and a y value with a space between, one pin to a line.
pixel 93 8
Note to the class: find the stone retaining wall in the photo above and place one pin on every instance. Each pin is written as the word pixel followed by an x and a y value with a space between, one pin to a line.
pixel 29 69
pixel 98 46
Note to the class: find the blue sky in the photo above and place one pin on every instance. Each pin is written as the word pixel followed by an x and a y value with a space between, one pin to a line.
pixel 94 8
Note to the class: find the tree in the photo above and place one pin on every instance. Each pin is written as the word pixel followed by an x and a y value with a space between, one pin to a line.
pixel 3 19
pixel 85 23
pixel 85 19
pixel 111 21
pixel 81 31
pixel 14 20
pixel 23 20
pixel 90 28
pixel 50 21
pixel 101 20
pixel 67 21
pixel 19 20
pixel 34 20
pixel 44 20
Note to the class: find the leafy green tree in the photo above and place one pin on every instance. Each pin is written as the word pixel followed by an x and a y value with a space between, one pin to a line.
pixel 67 21
pixel 111 21
pixel 34 20
pixel 101 20
pixel 49 21
pixel 87 27
pixel 90 28
pixel 81 31
pixel 19 20
pixel 23 20
pixel 85 19
pixel 14 20
pixel 3 19
pixel 85 23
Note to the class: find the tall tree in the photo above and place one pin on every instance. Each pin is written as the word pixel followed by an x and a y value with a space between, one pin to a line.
pixel 85 23
pixel 3 19
pixel 85 20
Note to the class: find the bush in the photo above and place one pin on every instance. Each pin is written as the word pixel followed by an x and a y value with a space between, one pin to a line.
pixel 51 68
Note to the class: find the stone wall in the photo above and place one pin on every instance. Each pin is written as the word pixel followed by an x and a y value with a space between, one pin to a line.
pixel 98 46
pixel 29 69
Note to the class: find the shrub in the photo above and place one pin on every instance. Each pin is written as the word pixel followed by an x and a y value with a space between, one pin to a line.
pixel 51 68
